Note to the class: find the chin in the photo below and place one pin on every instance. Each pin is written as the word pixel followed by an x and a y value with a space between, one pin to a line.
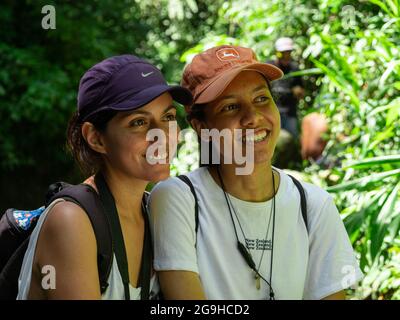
pixel 159 174
pixel 264 157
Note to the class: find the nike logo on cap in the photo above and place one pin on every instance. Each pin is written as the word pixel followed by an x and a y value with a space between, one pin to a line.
pixel 144 75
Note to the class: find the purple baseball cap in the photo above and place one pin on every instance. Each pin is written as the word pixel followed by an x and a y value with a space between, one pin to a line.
pixel 123 83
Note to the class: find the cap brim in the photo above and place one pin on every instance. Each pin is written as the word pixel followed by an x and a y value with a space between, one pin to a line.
pixel 178 93
pixel 282 49
pixel 181 95
pixel 219 84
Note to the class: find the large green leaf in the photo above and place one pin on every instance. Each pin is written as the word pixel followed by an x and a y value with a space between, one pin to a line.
pixel 363 183
pixel 339 81
pixel 392 9
pixel 301 73
pixel 376 161
pixel 355 220
pixel 379 228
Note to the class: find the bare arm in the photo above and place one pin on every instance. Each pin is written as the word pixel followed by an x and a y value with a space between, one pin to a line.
pixel 186 285
pixel 181 285
pixel 340 295
pixel 67 242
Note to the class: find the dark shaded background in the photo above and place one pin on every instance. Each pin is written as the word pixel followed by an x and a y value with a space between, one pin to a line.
pixel 40 71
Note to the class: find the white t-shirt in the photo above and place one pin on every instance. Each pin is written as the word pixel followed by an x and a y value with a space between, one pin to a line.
pixel 115 289
pixel 305 265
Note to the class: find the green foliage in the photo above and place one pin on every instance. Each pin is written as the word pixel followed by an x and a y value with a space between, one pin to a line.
pixel 40 71
pixel 188 156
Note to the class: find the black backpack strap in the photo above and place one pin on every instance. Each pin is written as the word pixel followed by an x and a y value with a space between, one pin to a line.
pixel 303 201
pixel 186 180
pixel 118 239
pixel 53 189
pixel 147 254
pixel 87 198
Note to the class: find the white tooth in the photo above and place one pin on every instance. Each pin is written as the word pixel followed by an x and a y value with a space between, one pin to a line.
pixel 256 138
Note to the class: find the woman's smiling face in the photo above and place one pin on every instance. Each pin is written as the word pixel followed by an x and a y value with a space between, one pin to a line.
pixel 247 104
pixel 126 143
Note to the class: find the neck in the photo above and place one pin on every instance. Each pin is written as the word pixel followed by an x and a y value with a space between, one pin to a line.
pixel 256 187
pixel 127 193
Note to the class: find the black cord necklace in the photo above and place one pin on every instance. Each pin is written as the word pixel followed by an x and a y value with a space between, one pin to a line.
pixel 244 249
pixel 257 277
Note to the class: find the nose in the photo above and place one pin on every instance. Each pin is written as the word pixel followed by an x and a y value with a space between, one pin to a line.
pixel 250 116
pixel 171 131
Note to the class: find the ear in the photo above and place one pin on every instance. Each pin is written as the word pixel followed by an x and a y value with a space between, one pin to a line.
pixel 93 137
pixel 197 125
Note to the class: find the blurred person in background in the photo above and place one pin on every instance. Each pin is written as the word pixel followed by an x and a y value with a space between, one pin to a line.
pixel 287 91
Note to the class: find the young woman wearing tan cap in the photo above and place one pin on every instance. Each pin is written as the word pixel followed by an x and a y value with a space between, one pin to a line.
pixel 252 241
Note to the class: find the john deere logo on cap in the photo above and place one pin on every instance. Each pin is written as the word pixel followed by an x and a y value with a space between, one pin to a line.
pixel 226 54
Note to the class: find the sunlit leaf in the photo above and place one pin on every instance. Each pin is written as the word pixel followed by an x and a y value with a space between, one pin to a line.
pixel 379 227
pixel 367 163
pixel 362 183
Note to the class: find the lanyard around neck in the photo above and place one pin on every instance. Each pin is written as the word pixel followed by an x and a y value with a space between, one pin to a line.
pixel 241 247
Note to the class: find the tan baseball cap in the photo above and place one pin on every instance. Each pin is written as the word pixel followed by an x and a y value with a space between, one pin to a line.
pixel 211 71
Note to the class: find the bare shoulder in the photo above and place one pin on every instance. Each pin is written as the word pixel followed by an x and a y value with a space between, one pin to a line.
pixel 67 243
pixel 67 219
pixel 67 227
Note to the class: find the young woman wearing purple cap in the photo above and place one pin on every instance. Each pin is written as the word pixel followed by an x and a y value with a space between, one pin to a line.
pixel 119 100
pixel 253 238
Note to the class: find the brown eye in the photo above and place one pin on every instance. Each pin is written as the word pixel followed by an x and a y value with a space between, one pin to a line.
pixel 262 99
pixel 137 123
pixel 170 117
pixel 230 107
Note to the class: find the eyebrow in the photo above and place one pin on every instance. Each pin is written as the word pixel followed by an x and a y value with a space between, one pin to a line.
pixel 263 86
pixel 169 108
pixel 149 113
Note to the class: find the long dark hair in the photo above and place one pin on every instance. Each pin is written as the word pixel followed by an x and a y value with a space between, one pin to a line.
pixel 88 160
